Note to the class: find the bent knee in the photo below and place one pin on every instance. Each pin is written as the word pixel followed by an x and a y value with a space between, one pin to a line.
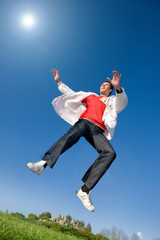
pixel 112 154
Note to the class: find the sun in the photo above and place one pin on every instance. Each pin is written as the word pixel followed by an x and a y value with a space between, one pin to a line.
pixel 28 21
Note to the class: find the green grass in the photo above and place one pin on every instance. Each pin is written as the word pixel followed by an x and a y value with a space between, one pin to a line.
pixel 14 228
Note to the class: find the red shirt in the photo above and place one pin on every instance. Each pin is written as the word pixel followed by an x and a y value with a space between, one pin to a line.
pixel 95 110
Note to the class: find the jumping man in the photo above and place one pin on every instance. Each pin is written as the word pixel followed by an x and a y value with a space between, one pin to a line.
pixel 93 117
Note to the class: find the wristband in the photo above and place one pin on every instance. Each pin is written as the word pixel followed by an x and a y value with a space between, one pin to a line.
pixel 119 91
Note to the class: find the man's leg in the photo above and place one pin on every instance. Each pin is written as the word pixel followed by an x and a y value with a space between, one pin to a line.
pixel 64 143
pixel 94 135
pixel 103 162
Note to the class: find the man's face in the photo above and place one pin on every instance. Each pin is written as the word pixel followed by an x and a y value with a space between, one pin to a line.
pixel 105 88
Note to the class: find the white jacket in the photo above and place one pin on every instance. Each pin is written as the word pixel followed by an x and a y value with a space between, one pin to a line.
pixel 69 107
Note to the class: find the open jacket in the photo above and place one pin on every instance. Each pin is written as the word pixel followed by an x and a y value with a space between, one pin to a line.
pixel 69 107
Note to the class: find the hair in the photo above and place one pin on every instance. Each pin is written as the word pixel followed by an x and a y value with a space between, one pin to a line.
pixel 111 86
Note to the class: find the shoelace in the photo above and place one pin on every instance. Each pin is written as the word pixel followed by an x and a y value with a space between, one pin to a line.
pixel 88 199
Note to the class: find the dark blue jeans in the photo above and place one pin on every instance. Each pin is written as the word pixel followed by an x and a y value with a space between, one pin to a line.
pixel 94 135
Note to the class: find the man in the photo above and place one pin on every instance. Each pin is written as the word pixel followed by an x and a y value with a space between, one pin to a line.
pixel 93 117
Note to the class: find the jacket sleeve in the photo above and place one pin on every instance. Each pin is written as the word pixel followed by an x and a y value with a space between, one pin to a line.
pixel 64 89
pixel 121 101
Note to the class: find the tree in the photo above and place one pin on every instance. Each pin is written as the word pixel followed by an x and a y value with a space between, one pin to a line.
pixel 32 217
pixel 68 219
pixel 135 236
pixel 106 232
pixel 58 218
pixel 80 224
pixel 100 237
pixel 88 228
pixel 114 234
pixel 45 215
pixel 122 235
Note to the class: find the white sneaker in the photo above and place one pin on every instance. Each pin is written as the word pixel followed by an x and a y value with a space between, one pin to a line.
pixel 85 198
pixel 37 167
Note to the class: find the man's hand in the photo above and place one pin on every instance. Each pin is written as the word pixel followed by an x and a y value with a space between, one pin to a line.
pixel 55 73
pixel 115 80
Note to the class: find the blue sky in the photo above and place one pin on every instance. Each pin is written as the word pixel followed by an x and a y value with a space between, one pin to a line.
pixel 85 40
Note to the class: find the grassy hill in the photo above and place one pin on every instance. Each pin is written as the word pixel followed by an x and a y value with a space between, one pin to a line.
pixel 15 228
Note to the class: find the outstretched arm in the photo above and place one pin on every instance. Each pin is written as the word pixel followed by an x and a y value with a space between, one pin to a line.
pixel 121 97
pixel 64 89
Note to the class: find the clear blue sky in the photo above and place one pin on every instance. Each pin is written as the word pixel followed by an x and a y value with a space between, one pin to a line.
pixel 85 40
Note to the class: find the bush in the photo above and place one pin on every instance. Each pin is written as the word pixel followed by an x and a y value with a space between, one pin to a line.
pixel 32 217
pixel 19 215
pixel 73 231
pixel 100 237
pixel 88 228
pixel 45 215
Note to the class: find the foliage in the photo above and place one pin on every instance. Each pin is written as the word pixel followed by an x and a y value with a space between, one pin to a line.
pixel 14 228
pixel 88 228
pixel 32 217
pixel 80 225
pixel 72 231
pixel 17 214
pixel 45 215
pixel 100 237
pixel 68 219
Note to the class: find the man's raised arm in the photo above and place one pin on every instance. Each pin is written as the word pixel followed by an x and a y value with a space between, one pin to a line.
pixel 55 73
pixel 64 89
pixel 121 97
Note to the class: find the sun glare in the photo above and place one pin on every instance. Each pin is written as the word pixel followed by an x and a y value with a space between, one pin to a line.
pixel 28 21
